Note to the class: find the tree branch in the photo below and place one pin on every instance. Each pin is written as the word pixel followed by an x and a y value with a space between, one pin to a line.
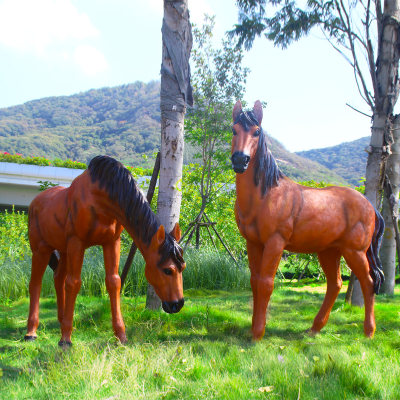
pixel 370 51
pixel 355 109
pixel 357 71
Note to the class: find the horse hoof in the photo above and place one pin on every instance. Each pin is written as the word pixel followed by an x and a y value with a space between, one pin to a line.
pixel 311 333
pixel 65 343
pixel 370 334
pixel 123 340
pixel 257 336
pixel 30 338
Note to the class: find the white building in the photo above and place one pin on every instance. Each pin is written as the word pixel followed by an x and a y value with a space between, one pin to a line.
pixel 19 183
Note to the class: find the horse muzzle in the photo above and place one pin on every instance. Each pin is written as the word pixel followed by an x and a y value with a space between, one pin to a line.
pixel 172 307
pixel 240 161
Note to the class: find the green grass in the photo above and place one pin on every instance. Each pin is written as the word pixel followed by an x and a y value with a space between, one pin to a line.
pixel 203 352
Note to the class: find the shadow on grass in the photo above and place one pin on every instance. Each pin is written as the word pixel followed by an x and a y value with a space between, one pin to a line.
pixel 9 372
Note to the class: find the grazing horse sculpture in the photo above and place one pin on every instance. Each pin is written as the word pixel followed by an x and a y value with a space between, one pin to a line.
pixel 93 211
pixel 273 213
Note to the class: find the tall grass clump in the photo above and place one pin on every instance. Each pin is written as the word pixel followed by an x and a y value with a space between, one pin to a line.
pixel 208 268
pixel 14 255
pixel 14 243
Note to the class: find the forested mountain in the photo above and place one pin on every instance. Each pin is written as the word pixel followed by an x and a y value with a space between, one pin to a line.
pixel 300 168
pixel 347 159
pixel 124 122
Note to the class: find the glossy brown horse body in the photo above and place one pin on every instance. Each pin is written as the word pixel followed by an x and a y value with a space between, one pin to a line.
pixel 93 211
pixel 274 213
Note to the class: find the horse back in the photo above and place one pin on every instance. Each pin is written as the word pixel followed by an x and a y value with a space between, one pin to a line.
pixel 83 210
pixel 92 217
pixel 332 217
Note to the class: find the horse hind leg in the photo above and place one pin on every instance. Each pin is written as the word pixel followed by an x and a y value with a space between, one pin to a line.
pixel 60 273
pixel 358 263
pixel 330 263
pixel 40 258
pixel 73 281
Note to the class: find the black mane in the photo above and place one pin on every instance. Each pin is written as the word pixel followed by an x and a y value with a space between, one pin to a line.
pixel 266 171
pixel 122 188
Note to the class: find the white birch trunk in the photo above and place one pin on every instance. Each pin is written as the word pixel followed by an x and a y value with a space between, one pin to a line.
pixel 177 43
pixel 388 249
pixel 387 85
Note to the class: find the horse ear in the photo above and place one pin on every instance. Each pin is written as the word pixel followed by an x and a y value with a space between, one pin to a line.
pixel 160 236
pixel 236 110
pixel 258 111
pixel 176 232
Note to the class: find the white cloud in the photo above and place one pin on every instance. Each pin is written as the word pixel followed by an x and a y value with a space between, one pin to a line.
pixel 34 25
pixel 197 9
pixel 90 60
pixel 156 5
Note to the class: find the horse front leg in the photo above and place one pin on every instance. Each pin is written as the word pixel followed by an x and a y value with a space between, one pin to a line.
pixel 111 253
pixel 254 254
pixel 73 281
pixel 264 262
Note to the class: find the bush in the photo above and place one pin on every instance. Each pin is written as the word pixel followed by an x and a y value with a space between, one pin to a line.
pixel 19 159
pixel 14 243
pixel 41 161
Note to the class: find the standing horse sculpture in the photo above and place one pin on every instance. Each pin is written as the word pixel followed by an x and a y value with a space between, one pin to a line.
pixel 274 213
pixel 93 211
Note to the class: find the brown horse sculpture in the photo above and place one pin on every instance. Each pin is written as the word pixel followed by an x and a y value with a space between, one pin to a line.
pixel 274 213
pixel 93 211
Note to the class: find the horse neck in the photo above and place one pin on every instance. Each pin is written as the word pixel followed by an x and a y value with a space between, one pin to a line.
pixel 247 193
pixel 114 211
pixel 143 247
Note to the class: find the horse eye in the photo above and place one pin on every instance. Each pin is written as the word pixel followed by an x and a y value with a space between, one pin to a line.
pixel 257 133
pixel 167 271
pixel 233 131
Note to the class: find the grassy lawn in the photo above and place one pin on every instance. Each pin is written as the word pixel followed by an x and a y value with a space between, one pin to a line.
pixel 204 352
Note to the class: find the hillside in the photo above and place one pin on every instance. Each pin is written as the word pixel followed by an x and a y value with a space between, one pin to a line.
pixel 346 159
pixel 122 121
pixel 300 168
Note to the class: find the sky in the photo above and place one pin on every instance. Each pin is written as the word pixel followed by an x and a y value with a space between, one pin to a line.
pixel 63 47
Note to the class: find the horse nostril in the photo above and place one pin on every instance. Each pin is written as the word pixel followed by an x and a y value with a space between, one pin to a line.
pixel 172 307
pixel 240 161
pixel 240 158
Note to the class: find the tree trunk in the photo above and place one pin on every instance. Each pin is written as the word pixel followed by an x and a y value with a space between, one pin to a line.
pixel 385 99
pixel 175 94
pixel 388 249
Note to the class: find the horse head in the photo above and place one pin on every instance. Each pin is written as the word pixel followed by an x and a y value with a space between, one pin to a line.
pixel 246 132
pixel 164 267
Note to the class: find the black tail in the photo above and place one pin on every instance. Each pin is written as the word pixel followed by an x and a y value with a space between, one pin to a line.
pixel 54 258
pixel 375 265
